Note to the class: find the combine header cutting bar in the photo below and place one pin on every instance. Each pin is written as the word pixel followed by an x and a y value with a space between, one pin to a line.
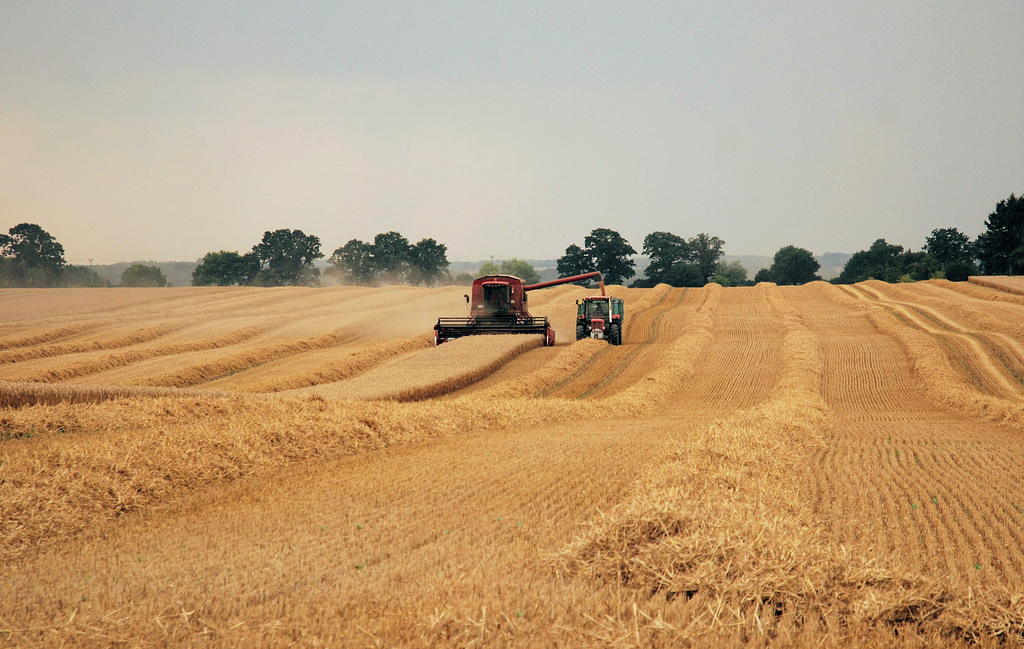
pixel 458 327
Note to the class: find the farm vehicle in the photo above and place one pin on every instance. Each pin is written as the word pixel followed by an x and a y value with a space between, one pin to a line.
pixel 600 316
pixel 498 304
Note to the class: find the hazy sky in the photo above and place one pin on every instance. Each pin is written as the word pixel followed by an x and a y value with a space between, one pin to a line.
pixel 143 130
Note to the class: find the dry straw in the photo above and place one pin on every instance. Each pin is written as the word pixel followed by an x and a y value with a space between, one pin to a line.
pixel 49 336
pixel 724 520
pixel 203 372
pixel 124 358
pixel 87 461
pixel 139 336
pixel 355 363
pixel 976 318
pixel 20 394
pixel 1012 285
pixel 974 289
pixel 434 371
pixel 932 364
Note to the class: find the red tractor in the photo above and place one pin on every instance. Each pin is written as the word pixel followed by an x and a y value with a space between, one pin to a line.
pixel 498 305
pixel 600 316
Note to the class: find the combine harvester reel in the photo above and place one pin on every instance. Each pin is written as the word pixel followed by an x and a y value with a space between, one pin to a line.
pixel 600 316
pixel 498 305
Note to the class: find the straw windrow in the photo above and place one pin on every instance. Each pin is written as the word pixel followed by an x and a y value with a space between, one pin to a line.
pixel 724 520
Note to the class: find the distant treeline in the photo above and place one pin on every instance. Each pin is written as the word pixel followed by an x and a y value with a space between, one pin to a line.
pixel 31 257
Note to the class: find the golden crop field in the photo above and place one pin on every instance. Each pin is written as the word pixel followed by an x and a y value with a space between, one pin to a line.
pixel 814 466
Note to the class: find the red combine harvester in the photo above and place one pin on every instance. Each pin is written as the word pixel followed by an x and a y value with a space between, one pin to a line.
pixel 498 305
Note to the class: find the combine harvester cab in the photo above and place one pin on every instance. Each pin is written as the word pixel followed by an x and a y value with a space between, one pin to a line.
pixel 600 316
pixel 498 304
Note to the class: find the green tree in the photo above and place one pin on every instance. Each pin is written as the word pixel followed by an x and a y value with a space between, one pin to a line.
pixel 1000 248
pixel 959 271
pixel 684 274
pixel 225 268
pixel 30 256
pixel 918 266
pixel 705 251
pixel 428 261
pixel 390 254
pixel 611 255
pixel 352 263
pixel 889 263
pixel 880 261
pixel 664 250
pixel 730 273
pixel 792 265
pixel 763 275
pixel 489 268
pixel 521 269
pixel 141 275
pixel 514 266
pixel 286 259
pixel 947 245
pixel 575 261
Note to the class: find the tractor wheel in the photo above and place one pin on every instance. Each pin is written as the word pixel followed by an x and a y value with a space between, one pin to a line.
pixel 615 334
pixel 581 332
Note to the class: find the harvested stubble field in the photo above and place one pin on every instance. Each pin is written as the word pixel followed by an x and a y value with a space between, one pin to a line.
pixel 766 466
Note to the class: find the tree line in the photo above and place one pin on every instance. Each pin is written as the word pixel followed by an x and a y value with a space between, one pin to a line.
pixel 673 260
pixel 947 253
pixel 285 258
pixel 31 257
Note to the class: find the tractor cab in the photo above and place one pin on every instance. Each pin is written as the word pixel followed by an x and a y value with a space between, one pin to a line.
pixel 600 316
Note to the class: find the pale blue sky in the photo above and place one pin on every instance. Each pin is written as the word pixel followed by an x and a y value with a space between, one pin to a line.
pixel 140 130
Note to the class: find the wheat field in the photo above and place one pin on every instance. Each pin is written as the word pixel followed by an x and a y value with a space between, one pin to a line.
pixel 821 465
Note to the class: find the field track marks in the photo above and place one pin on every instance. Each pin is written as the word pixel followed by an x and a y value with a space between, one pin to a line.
pixel 134 337
pixel 863 370
pixel 49 336
pixel 642 330
pixel 319 367
pixel 120 359
pixel 431 371
pixel 993 362
pixel 238 361
pixel 900 472
pixel 644 357
pixel 972 297
pixel 524 364
pixel 956 311
pixel 1010 285
pixel 739 367
pixel 326 547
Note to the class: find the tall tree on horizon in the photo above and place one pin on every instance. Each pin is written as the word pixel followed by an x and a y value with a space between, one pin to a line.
pixel 575 261
pixel 225 268
pixel 791 266
pixel 1001 247
pixel 30 256
pixel 705 251
pixel 428 262
pixel 286 258
pixel 664 250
